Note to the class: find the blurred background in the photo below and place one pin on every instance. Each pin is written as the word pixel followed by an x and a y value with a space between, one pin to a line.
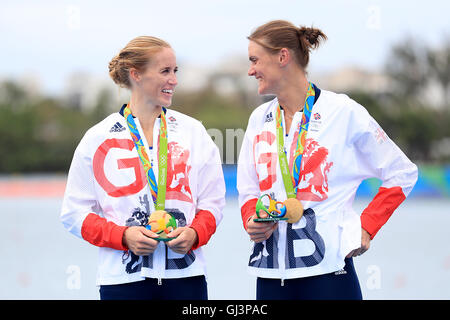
pixel 391 57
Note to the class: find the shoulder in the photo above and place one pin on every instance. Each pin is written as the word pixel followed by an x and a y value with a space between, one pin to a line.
pixel 188 128
pixel 341 103
pixel 349 116
pixel 173 116
pixel 114 124
pixel 332 98
pixel 177 119
pixel 263 113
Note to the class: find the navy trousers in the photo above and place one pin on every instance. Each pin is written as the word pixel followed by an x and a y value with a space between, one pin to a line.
pixel 190 288
pixel 343 285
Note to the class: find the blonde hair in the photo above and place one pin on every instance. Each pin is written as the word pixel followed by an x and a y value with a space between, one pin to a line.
pixel 278 34
pixel 136 54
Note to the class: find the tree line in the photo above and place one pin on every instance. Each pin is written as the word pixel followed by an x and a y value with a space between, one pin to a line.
pixel 40 133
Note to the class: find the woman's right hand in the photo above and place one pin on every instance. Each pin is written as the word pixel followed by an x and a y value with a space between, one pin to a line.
pixel 260 231
pixel 139 240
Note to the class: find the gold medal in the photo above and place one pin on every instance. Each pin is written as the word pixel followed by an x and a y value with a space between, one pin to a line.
pixel 161 222
pixel 294 210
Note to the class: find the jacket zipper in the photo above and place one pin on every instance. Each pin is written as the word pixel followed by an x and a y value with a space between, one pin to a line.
pixel 160 258
pixel 282 249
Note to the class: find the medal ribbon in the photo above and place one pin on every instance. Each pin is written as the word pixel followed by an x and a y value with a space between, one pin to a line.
pixel 291 180
pixel 158 190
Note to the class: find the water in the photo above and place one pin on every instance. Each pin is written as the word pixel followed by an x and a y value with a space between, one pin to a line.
pixel 408 259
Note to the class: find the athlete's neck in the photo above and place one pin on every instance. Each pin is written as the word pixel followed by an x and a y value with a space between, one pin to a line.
pixel 293 94
pixel 145 111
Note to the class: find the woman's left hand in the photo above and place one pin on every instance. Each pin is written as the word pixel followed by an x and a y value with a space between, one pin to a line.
pixel 365 245
pixel 185 239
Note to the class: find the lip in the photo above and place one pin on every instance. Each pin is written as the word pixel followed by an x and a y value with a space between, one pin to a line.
pixel 167 93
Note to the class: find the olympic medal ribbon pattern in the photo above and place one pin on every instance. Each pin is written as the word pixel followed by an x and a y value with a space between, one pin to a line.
pixel 158 190
pixel 292 180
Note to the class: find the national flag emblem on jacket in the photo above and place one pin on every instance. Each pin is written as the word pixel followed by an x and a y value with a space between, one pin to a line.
pixel 316 116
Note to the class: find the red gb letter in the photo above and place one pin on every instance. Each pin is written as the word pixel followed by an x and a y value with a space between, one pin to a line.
pixel 268 158
pixel 99 171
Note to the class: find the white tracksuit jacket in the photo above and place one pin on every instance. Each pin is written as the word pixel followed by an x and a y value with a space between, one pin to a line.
pixel 107 191
pixel 344 146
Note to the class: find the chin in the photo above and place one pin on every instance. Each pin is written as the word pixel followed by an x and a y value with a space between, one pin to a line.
pixel 166 103
pixel 261 91
pixel 264 91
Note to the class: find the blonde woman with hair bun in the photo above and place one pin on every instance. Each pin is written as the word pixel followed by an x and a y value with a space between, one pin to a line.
pixel 146 185
pixel 310 149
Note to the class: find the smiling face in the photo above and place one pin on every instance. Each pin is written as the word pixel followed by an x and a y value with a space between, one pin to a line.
pixel 265 67
pixel 157 82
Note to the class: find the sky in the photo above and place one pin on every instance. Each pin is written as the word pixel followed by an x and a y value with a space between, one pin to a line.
pixel 53 39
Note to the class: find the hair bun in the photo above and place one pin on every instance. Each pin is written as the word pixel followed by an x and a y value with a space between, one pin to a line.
pixel 312 35
pixel 117 73
pixel 302 30
pixel 113 64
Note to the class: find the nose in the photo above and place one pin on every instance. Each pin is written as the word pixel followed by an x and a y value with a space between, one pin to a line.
pixel 251 71
pixel 173 80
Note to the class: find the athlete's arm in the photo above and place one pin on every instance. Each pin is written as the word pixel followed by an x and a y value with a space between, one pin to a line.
pixel 211 197
pixel 380 156
pixel 80 209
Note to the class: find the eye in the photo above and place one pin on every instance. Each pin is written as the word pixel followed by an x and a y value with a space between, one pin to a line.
pixel 168 70
pixel 252 59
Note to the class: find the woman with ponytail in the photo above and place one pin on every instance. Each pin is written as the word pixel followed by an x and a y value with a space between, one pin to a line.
pixel 303 157
pixel 146 185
